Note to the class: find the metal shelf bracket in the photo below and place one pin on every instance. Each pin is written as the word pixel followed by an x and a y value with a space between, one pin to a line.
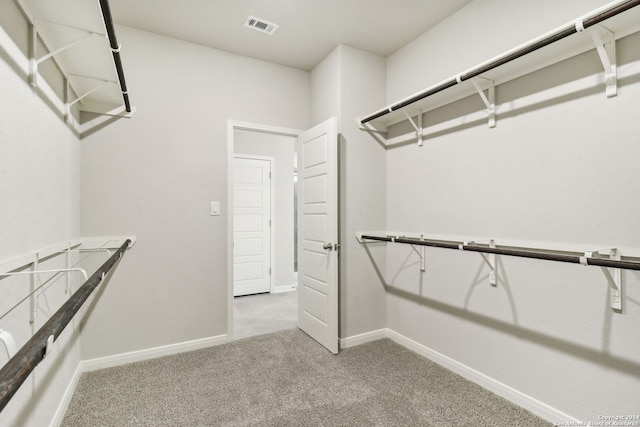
pixel 35 61
pixel 9 342
pixel 420 253
pixel 605 44
pixel 489 259
pixel 613 275
pixel 489 99
pixel 417 127
pixel 81 97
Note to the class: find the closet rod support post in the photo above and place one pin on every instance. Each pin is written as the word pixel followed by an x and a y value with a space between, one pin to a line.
pixel 605 44
pixel 613 275
pixel 417 127
pixel 489 101
pixel 9 343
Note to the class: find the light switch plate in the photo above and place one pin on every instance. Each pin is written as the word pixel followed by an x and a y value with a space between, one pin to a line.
pixel 215 208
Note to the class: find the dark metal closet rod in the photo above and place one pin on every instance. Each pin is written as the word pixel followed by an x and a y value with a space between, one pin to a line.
pixel 20 366
pixel 571 257
pixel 115 49
pixel 475 72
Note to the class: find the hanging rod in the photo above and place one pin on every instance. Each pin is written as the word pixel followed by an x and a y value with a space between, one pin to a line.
pixel 534 45
pixel 115 49
pixel 20 366
pixel 563 256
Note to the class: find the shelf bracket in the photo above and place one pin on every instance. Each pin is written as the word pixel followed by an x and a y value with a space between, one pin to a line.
pixel 489 101
pixel 613 275
pixel 417 127
pixel 420 254
pixel 35 61
pixel 9 343
pixel 379 135
pixel 490 259
pixel 605 44
pixel 81 97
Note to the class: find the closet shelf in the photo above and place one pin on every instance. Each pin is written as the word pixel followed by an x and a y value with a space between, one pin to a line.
pixel 598 29
pixel 80 37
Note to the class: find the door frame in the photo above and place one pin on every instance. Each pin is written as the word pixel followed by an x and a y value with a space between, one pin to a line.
pixel 232 126
pixel 272 197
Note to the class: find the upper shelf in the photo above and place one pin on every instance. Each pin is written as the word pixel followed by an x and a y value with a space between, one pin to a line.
pixel 79 36
pixel 621 18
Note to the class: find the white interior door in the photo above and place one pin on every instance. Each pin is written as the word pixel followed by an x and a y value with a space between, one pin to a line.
pixel 318 233
pixel 251 225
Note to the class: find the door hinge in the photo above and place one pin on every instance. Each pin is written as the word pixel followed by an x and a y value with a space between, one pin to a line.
pixel 269 271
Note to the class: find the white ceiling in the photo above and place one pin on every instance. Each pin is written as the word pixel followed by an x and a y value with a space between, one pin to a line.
pixel 309 29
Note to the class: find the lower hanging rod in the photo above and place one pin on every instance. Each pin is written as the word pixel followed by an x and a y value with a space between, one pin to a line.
pixel 19 367
pixel 570 257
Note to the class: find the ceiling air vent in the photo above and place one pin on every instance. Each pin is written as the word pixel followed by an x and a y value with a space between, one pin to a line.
pixel 261 25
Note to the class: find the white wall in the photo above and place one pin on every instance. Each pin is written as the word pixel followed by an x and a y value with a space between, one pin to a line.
pixel 155 175
pixel 39 206
pixel 281 148
pixel 558 171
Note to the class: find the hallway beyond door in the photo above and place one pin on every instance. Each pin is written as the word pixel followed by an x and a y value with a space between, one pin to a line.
pixel 264 313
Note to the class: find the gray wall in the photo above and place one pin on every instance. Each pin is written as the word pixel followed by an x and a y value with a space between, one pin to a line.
pixel 155 175
pixel 39 207
pixel 559 171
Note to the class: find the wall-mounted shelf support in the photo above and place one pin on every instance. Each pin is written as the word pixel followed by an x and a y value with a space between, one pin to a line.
pixel 490 259
pixel 613 275
pixel 489 101
pixel 420 254
pixel 605 44
pixel 81 97
pixel 34 62
pixel 417 127
pixel 368 128
pixel 9 342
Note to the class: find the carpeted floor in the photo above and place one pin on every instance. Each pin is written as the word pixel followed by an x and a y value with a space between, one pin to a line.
pixel 287 379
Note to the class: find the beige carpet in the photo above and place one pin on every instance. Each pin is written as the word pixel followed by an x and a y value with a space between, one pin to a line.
pixel 287 379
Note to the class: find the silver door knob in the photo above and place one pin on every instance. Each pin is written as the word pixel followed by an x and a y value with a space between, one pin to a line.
pixel 328 246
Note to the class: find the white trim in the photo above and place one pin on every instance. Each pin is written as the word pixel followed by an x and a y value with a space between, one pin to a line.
pixel 151 353
pixel 364 338
pixel 66 397
pixel 525 401
pixel 233 125
pixel 283 288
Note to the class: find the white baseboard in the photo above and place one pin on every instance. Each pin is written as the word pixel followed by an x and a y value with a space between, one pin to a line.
pixel 525 401
pixel 151 353
pixel 363 338
pixel 66 398
pixel 283 288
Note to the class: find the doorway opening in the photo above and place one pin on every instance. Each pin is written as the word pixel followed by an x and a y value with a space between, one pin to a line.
pixel 263 256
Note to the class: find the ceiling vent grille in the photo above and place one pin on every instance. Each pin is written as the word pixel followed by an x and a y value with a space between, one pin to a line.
pixel 261 25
